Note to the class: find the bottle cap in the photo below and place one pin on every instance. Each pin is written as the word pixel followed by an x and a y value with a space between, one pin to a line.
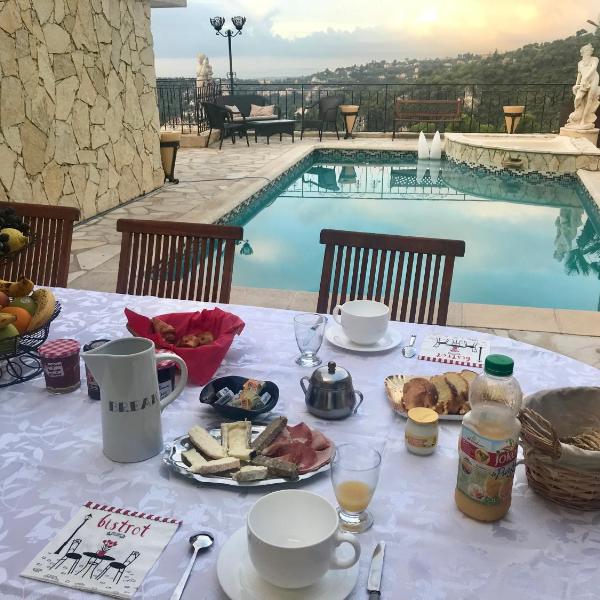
pixel 499 365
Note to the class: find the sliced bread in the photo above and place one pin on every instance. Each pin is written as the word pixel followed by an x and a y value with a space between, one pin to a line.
pixel 250 473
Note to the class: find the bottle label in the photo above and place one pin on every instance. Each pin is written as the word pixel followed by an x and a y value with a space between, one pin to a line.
pixel 486 467
pixel 421 442
pixel 165 388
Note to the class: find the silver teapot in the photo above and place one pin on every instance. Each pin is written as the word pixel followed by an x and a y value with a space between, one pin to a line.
pixel 329 393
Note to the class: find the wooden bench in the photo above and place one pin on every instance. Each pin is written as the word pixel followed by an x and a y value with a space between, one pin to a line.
pixel 426 111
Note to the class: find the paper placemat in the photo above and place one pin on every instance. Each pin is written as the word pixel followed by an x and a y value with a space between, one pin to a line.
pixel 103 549
pixel 467 352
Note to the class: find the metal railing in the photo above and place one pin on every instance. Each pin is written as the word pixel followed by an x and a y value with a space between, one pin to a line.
pixel 179 102
pixel 546 104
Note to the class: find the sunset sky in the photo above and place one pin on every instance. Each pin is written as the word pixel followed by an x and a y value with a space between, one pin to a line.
pixel 297 37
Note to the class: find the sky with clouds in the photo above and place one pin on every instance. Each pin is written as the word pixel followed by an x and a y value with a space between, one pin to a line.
pixel 298 37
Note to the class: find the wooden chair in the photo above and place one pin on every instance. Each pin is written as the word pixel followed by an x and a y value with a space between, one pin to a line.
pixel 177 260
pixel 46 261
pixel 406 273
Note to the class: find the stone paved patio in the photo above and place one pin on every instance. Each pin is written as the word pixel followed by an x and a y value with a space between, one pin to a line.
pixel 211 179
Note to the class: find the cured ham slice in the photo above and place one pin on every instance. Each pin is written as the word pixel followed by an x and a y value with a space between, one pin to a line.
pixel 309 449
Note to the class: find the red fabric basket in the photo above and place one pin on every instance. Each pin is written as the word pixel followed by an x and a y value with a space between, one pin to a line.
pixel 203 361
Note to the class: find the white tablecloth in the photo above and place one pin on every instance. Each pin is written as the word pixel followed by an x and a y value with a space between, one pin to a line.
pixel 52 462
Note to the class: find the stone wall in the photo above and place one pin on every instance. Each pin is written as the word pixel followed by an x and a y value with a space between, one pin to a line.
pixel 78 113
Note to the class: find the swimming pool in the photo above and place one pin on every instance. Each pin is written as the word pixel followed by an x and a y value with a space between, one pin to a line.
pixel 529 239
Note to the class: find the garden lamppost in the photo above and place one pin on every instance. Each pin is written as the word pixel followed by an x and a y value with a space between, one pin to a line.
pixel 238 23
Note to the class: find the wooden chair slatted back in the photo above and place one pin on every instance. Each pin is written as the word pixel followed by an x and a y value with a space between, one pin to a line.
pixel 46 261
pixel 412 275
pixel 187 261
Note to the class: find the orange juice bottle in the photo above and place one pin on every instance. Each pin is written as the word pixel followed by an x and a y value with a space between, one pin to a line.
pixel 487 448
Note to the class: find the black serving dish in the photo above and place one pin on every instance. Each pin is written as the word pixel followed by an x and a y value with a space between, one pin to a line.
pixel 208 395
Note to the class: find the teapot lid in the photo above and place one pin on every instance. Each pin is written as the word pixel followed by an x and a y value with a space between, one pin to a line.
pixel 330 374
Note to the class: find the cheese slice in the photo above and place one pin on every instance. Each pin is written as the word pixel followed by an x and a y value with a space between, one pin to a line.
pixel 193 459
pixel 203 441
pixel 235 438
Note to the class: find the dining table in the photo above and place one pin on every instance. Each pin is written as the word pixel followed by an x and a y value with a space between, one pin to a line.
pixel 52 462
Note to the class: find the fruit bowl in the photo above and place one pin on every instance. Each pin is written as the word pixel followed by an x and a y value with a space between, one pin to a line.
pixel 19 360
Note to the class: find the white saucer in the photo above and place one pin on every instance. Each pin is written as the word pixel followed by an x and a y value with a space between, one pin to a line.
pixel 240 581
pixel 336 336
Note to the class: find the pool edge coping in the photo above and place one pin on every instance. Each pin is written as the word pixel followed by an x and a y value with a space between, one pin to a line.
pixel 494 316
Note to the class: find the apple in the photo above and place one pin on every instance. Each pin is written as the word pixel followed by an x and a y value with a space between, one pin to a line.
pixel 4 300
pixel 7 332
pixel 26 302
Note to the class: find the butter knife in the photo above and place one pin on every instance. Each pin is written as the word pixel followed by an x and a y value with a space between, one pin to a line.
pixel 375 572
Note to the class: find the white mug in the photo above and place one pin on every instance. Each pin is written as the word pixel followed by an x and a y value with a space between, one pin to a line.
pixel 293 536
pixel 363 321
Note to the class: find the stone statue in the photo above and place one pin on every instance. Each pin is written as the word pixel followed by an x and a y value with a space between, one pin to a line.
pixel 586 91
pixel 204 71
pixel 567 224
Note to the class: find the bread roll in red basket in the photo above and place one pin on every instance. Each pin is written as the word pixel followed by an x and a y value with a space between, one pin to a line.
pixel 202 361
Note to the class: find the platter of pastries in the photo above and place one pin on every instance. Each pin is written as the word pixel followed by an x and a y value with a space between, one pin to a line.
pixel 446 393
pixel 241 454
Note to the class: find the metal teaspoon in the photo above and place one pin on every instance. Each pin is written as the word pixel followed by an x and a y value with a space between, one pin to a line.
pixel 199 541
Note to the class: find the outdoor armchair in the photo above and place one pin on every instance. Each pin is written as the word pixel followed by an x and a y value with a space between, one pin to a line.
pixel 221 118
pixel 328 107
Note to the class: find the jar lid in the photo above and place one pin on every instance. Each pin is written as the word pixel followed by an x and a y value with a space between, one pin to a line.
pixel 59 348
pixel 331 374
pixel 499 365
pixel 94 344
pixel 423 415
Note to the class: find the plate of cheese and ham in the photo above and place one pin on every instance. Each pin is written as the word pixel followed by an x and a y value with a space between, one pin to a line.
pixel 240 454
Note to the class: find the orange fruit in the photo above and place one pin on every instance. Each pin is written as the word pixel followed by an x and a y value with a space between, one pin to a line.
pixel 23 317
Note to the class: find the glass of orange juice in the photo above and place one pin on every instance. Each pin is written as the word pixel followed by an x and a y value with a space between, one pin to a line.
pixel 354 474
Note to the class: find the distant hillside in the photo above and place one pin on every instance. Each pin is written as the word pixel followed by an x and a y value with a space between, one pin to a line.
pixel 548 62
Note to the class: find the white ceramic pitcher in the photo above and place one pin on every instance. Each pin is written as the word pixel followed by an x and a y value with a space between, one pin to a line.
pixel 125 370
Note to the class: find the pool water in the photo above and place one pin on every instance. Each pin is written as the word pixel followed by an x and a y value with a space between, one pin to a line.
pixel 528 238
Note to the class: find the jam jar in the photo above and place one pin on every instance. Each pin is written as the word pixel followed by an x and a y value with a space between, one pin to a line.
pixel 60 361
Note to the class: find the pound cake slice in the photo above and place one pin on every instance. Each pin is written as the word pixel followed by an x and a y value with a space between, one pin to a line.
pixel 445 394
pixel 418 391
pixel 460 389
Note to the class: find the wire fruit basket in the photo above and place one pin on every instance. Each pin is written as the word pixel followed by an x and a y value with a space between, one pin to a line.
pixel 19 358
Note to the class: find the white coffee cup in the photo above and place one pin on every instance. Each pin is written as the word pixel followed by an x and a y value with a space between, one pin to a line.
pixel 293 536
pixel 363 321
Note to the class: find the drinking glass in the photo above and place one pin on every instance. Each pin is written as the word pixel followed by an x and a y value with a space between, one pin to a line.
pixel 354 474
pixel 309 329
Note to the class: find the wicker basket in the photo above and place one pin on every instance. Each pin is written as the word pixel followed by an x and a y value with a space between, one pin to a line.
pixel 562 473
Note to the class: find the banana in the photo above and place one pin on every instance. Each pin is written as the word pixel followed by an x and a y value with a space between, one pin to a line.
pixel 45 301
pixel 22 287
pixel 6 319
